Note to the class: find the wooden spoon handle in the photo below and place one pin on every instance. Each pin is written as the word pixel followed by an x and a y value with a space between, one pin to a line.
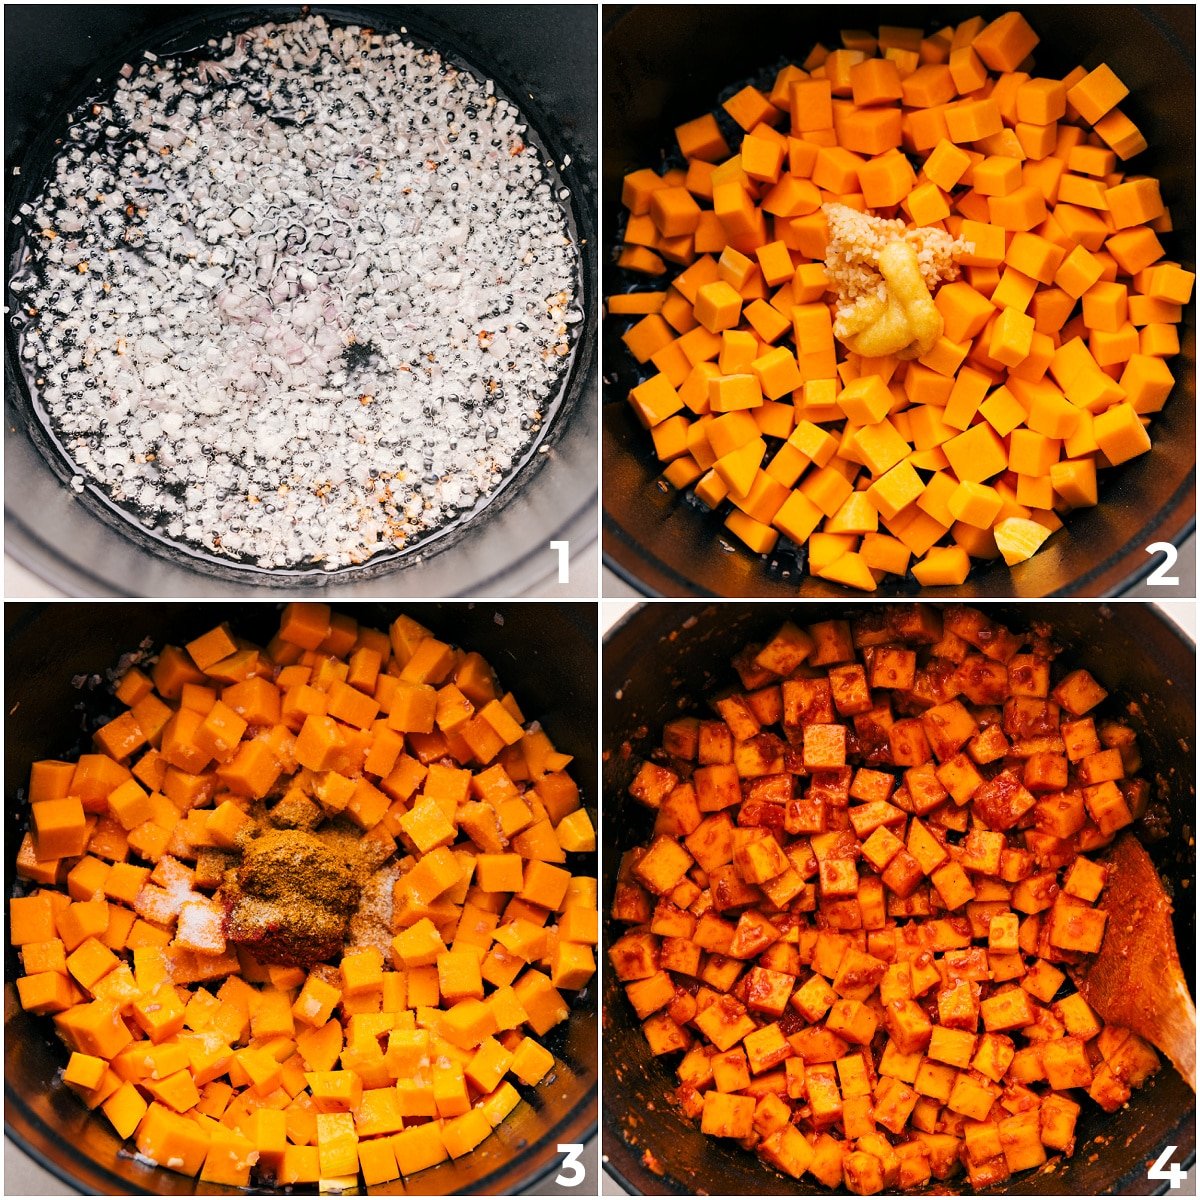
pixel 1174 1026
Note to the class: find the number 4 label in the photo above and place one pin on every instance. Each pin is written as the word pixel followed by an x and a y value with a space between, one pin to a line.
pixel 1159 575
pixel 573 1172
pixel 1163 1169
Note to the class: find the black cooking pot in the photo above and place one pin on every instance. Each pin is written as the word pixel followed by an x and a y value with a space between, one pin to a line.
pixel 546 653
pixel 663 659
pixel 667 64
pixel 541 57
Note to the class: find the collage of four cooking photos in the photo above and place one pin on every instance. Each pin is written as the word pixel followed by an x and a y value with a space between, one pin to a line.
pixel 600 600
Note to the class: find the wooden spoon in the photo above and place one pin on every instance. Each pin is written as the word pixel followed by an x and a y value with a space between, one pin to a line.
pixel 1136 980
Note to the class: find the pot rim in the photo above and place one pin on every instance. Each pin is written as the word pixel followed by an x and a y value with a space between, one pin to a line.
pixel 39 1138
pixel 573 400
pixel 627 1166
pixel 638 563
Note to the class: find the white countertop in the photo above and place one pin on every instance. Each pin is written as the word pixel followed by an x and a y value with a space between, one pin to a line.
pixel 20 583
pixel 23 1177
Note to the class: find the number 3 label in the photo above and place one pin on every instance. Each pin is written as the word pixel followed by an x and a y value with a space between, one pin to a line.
pixel 573 1173
pixel 1159 575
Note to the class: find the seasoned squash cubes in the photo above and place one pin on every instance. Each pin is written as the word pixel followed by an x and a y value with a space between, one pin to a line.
pixel 871 858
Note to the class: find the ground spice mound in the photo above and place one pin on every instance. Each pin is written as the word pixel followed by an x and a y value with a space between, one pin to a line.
pixel 290 899
pixel 303 297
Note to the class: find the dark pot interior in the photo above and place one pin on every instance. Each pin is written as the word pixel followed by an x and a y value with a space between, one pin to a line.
pixel 667 64
pixel 544 59
pixel 544 653
pixel 662 660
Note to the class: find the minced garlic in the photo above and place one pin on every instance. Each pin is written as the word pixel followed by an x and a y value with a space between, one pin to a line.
pixel 884 275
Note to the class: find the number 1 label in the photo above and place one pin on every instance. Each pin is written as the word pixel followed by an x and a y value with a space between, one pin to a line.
pixel 564 560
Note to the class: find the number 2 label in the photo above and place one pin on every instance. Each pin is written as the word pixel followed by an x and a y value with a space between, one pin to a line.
pixel 1159 576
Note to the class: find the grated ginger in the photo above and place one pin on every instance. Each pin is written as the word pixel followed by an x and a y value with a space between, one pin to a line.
pixel 884 275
